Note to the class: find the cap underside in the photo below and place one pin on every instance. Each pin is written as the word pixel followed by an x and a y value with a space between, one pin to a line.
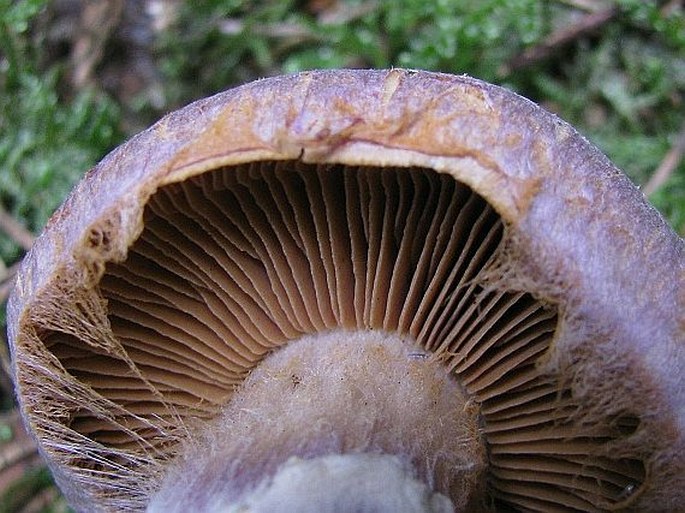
pixel 236 262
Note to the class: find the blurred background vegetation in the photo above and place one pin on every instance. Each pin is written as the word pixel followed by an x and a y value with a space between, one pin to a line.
pixel 79 77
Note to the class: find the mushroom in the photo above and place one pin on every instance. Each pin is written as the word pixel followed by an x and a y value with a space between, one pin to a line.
pixel 349 289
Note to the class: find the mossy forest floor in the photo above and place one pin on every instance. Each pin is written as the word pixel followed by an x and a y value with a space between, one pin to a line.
pixel 79 77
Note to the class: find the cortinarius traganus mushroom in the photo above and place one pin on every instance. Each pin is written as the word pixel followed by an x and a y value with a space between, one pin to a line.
pixel 397 290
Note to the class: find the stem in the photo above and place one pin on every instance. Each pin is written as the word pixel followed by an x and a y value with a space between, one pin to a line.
pixel 339 393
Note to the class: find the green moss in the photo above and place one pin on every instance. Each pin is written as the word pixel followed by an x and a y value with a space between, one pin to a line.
pixel 48 140
pixel 622 86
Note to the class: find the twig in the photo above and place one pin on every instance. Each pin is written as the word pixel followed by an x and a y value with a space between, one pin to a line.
pixel 235 26
pixel 585 5
pixel 668 165
pixel 338 16
pixel 7 281
pixel 98 21
pixel 586 25
pixel 6 287
pixel 345 13
pixel 670 8
pixel 15 230
pixel 20 448
pixel 5 369
pixel 42 501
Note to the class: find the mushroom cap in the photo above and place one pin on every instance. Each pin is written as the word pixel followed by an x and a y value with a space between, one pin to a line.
pixel 578 240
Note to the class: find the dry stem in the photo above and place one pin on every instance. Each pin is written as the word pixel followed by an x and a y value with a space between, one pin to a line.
pixel 15 230
pixel 668 165
pixel 587 24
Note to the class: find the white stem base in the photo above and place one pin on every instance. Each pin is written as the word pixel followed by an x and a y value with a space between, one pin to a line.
pixel 341 483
